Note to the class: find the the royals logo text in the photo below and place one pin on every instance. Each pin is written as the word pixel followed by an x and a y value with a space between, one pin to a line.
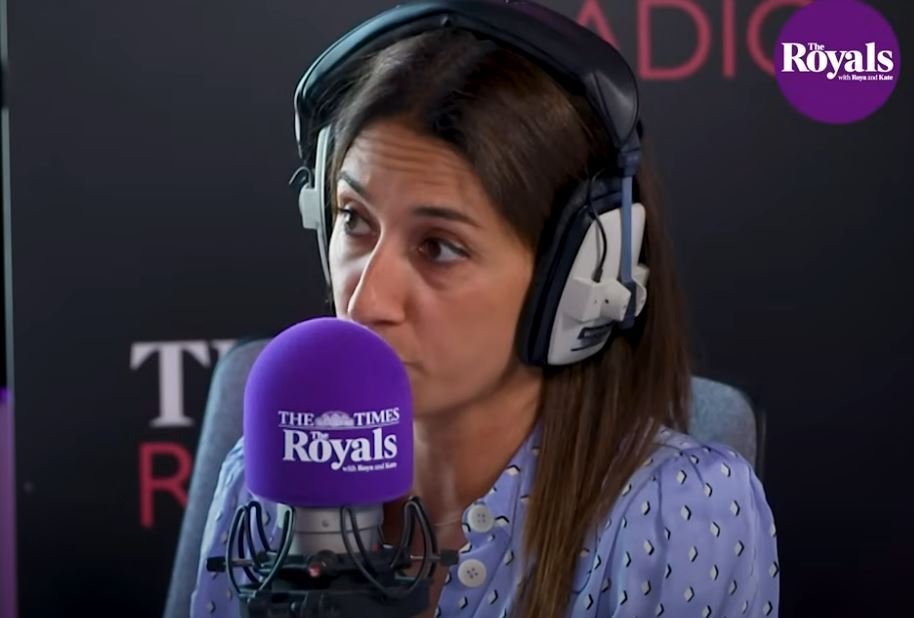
pixel 870 64
pixel 320 438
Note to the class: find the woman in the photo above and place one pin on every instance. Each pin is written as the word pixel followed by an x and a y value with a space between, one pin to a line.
pixel 571 490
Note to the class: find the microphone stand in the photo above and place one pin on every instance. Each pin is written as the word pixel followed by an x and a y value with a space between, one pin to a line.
pixel 361 582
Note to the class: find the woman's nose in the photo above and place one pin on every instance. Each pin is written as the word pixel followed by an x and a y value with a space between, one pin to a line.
pixel 379 293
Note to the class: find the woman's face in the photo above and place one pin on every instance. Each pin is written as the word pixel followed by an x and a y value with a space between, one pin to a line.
pixel 419 255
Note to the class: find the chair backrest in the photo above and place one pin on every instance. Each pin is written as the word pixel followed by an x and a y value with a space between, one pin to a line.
pixel 718 413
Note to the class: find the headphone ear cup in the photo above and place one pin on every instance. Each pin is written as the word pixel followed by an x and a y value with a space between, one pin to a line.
pixel 553 263
pixel 588 311
pixel 314 217
pixel 568 316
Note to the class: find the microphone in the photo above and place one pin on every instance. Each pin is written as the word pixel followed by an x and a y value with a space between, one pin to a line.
pixel 328 437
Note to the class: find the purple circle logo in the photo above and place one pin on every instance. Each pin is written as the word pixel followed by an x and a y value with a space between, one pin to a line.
pixel 837 61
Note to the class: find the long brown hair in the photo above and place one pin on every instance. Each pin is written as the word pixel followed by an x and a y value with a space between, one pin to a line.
pixel 531 141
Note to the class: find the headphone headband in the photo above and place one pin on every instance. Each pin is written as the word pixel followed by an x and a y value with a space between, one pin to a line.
pixel 575 56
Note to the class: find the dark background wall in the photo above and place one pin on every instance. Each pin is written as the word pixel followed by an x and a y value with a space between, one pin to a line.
pixel 151 225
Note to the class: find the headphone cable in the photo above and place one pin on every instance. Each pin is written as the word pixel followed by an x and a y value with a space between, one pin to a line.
pixel 598 269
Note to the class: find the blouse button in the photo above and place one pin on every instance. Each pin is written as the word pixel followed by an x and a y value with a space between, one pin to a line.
pixel 472 573
pixel 480 518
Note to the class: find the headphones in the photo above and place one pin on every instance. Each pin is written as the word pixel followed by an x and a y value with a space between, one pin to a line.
pixel 587 278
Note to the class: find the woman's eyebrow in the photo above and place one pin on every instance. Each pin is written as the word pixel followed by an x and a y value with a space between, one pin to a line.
pixel 421 210
pixel 356 186
pixel 441 212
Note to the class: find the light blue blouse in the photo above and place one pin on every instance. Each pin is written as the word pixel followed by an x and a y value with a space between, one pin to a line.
pixel 690 535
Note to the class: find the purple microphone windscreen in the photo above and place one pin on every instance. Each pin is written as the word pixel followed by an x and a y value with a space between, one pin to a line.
pixel 328 418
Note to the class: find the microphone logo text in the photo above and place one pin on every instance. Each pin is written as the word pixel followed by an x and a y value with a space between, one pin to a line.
pixel 309 437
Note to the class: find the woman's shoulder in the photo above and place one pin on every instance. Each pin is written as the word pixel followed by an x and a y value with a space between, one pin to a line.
pixel 685 479
pixel 212 595
pixel 230 492
pixel 692 523
pixel 233 464
pixel 230 485
pixel 683 465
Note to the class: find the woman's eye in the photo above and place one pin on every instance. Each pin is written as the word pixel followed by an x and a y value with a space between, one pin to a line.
pixel 441 251
pixel 351 220
pixel 434 249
